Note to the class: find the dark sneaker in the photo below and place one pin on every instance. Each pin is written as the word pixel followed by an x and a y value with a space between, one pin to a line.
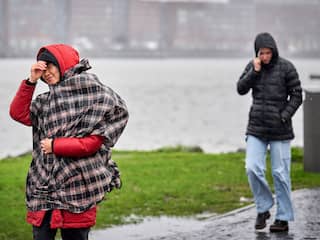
pixel 261 220
pixel 279 226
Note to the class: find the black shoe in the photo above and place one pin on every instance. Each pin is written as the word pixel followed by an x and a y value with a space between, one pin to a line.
pixel 261 220
pixel 279 226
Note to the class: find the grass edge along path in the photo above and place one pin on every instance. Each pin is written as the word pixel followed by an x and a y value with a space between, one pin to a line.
pixel 171 181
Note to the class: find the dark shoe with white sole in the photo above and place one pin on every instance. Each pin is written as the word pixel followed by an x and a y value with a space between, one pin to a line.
pixel 261 220
pixel 279 226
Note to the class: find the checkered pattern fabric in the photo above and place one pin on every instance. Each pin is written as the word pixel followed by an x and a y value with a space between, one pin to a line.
pixel 78 106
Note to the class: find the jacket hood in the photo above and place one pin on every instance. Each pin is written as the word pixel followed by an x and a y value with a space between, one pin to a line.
pixel 66 56
pixel 265 40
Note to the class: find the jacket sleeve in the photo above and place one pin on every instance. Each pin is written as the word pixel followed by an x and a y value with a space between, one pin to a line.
pixel 294 92
pixel 246 79
pixel 116 122
pixel 20 105
pixel 77 147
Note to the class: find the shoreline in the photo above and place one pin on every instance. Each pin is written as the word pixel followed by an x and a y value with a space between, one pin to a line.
pixel 175 148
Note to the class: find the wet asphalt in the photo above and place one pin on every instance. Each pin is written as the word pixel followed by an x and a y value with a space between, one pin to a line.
pixel 239 224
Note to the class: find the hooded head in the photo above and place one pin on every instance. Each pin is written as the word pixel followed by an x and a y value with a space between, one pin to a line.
pixel 48 57
pixel 265 40
pixel 62 56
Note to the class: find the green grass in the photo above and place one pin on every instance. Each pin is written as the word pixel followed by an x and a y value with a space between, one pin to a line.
pixel 165 182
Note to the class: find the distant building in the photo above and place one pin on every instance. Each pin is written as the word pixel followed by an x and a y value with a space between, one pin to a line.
pixel 26 25
pixel 115 28
pixel 295 25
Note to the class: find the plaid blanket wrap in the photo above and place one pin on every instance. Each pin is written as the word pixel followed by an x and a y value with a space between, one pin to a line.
pixel 77 106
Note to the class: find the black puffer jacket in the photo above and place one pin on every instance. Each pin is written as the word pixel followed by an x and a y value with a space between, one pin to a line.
pixel 276 93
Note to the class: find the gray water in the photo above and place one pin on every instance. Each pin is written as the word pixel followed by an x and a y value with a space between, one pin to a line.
pixel 171 101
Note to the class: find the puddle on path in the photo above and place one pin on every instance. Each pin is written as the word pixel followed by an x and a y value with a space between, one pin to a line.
pixel 151 227
pixel 234 225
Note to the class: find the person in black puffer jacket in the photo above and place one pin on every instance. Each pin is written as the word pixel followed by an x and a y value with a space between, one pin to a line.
pixel 277 94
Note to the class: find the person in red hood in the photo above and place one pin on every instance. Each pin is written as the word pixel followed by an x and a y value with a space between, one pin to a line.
pixel 75 124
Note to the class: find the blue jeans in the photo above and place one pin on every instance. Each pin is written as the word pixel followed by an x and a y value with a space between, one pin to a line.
pixel 280 164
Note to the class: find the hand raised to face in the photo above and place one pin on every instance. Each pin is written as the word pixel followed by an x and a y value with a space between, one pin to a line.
pixel 36 70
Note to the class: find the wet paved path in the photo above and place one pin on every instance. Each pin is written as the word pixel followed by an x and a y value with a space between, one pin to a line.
pixel 235 225
pixel 239 224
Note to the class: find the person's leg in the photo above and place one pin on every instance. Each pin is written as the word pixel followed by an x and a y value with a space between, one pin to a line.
pixel 75 233
pixel 281 162
pixel 255 167
pixel 44 232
